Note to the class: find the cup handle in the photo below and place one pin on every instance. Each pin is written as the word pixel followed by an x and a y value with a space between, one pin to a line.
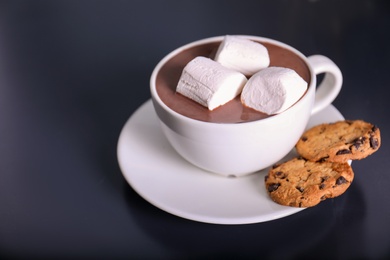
pixel 329 88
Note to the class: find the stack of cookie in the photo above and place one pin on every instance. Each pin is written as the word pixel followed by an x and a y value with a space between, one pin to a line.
pixel 322 171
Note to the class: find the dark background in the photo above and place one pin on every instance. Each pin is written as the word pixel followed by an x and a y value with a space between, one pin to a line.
pixel 71 74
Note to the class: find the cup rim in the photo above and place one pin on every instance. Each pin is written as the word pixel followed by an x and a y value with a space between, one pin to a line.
pixel 171 54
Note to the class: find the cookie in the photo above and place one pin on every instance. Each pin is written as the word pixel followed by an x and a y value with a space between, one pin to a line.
pixel 302 183
pixel 339 142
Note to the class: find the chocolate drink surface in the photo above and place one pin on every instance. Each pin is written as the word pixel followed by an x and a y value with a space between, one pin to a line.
pixel 231 112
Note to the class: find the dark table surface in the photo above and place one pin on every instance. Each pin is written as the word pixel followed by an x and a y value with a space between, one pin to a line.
pixel 73 72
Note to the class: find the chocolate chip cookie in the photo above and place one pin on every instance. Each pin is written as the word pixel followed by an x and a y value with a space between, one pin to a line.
pixel 302 183
pixel 340 141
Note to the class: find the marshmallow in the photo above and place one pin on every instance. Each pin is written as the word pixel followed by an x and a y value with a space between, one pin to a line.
pixel 273 90
pixel 209 83
pixel 243 55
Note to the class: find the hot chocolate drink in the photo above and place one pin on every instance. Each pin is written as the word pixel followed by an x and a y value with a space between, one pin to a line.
pixel 231 112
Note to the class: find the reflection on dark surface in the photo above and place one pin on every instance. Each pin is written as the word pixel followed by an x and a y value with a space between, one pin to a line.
pixel 183 236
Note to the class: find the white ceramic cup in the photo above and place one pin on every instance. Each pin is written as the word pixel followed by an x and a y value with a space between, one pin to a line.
pixel 237 149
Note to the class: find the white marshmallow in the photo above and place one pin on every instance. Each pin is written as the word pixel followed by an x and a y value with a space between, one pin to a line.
pixel 273 90
pixel 209 83
pixel 243 55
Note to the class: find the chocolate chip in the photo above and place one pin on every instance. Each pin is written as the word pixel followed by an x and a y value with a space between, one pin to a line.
pixel 323 159
pixel 273 187
pixel 279 173
pixel 322 186
pixel 358 142
pixel 356 145
pixel 341 180
pixel 304 138
pixel 374 142
pixel 300 189
pixel 322 130
pixel 343 151
pixel 374 128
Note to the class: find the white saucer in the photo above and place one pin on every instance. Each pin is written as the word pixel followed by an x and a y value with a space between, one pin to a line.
pixel 158 174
